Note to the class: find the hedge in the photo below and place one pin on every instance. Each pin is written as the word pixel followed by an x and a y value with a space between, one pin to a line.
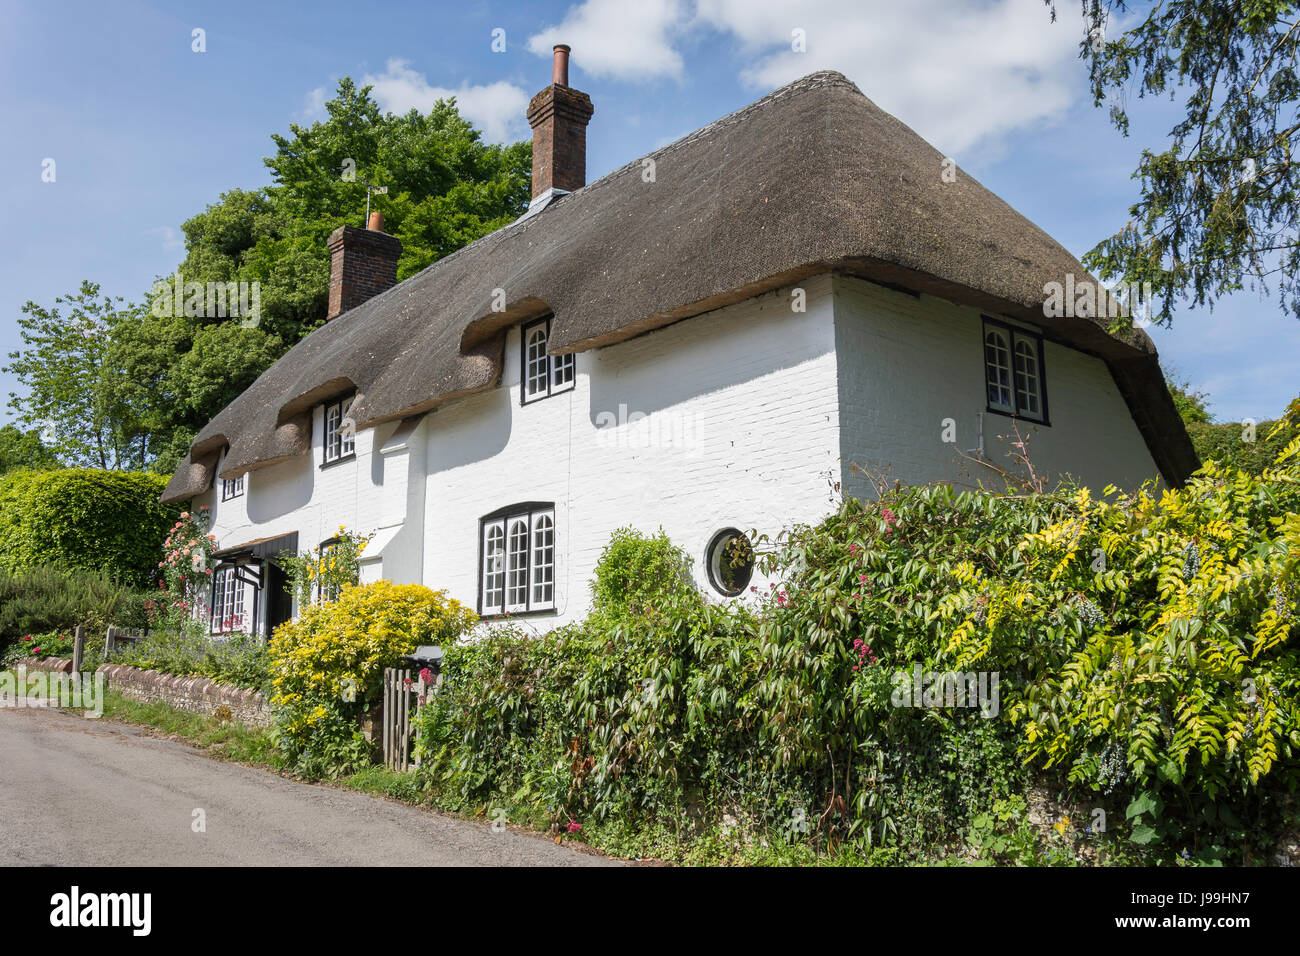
pixel 84 519
pixel 1137 653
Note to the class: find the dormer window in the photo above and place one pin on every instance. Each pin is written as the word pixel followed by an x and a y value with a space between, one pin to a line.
pixel 1013 372
pixel 339 443
pixel 232 488
pixel 543 374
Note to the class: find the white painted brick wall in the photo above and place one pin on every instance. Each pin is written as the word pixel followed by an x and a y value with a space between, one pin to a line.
pixel 745 398
pixel 906 364
pixel 750 412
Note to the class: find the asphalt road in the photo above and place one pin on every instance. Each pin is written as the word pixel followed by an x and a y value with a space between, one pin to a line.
pixel 91 793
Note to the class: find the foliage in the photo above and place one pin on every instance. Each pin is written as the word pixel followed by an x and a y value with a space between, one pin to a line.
pixel 788 719
pixel 74 391
pixel 83 519
pixel 186 575
pixel 1158 634
pixel 1193 406
pixel 240 659
pixel 327 666
pixel 127 385
pixel 320 574
pixel 20 449
pixel 46 599
pixel 1218 201
pixel 41 646
pixel 636 571
pixel 1251 447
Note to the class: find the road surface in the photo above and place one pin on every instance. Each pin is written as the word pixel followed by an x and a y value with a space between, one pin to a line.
pixel 89 792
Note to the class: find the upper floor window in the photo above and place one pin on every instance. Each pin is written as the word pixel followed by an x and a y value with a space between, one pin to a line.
pixel 338 431
pixel 232 487
pixel 517 569
pixel 1013 371
pixel 543 374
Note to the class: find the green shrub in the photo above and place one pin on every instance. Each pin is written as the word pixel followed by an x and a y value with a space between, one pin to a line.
pixel 327 666
pixel 635 572
pixel 241 660
pixel 1163 633
pixel 1145 649
pixel 84 519
pixel 48 599
pixel 1249 448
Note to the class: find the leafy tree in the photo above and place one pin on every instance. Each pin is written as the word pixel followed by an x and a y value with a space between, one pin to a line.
pixel 20 449
pixel 1248 447
pixel 1193 406
pixel 125 386
pixel 445 189
pixel 84 519
pixel 1217 207
pixel 76 395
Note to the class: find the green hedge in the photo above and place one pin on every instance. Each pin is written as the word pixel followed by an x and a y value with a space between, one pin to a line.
pixel 84 519
pixel 43 600
pixel 1146 651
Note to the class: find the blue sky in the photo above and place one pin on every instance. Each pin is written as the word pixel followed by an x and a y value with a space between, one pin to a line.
pixel 145 132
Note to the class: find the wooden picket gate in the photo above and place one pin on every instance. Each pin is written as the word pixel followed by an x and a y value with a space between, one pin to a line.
pixel 396 725
pixel 401 693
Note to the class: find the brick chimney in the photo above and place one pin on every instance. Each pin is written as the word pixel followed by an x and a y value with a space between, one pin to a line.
pixel 559 116
pixel 363 263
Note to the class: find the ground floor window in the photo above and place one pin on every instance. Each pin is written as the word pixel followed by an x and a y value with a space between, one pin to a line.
pixel 228 600
pixel 517 559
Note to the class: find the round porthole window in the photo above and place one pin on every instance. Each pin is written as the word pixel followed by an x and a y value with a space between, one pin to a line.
pixel 729 560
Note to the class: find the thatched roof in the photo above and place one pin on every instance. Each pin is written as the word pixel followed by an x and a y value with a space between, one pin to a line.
pixel 811 178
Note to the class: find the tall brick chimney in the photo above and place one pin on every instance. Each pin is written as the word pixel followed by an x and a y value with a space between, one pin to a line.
pixel 363 263
pixel 559 116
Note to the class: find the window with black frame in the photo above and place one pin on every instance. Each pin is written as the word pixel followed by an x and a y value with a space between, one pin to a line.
pixel 1013 371
pixel 517 560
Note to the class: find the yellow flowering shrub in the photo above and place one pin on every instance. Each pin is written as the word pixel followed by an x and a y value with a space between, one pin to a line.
pixel 327 665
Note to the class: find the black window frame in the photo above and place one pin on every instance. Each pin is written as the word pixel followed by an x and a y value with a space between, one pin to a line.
pixel 326 408
pixel 717 541
pixel 524 398
pixel 1011 332
pixel 243 577
pixel 227 482
pixel 523 509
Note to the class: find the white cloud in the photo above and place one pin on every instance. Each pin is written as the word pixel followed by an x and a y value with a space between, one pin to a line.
pixel 961 75
pixel 495 108
pixel 313 107
pixel 169 236
pixel 614 38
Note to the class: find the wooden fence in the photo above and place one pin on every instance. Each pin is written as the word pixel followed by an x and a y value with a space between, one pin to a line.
pixel 401 695
pixel 119 636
